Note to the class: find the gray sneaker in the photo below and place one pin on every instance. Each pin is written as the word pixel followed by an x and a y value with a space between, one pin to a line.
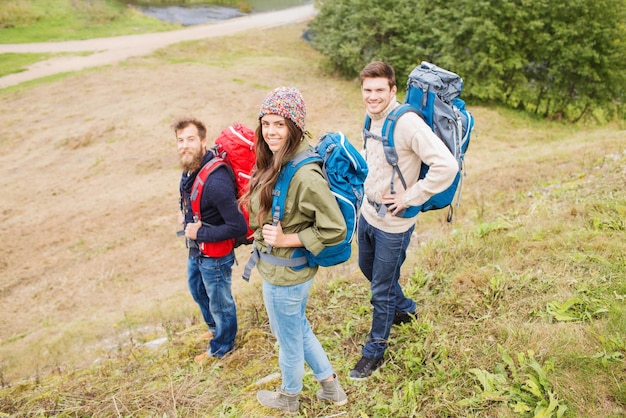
pixel 332 391
pixel 365 367
pixel 279 400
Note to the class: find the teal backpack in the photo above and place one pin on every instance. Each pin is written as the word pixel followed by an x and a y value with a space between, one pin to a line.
pixel 432 93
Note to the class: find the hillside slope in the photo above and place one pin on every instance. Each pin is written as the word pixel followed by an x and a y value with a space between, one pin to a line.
pixel 91 268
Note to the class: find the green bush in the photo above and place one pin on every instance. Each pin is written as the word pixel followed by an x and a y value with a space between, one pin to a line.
pixel 559 60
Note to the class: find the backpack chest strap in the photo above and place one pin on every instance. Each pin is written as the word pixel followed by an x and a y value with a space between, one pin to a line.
pixel 298 261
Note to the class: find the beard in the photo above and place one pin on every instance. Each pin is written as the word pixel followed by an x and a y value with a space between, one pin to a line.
pixel 191 162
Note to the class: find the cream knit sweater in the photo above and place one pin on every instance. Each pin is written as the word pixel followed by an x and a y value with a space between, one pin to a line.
pixel 415 142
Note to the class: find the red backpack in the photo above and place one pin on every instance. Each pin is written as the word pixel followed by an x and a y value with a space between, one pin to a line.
pixel 234 148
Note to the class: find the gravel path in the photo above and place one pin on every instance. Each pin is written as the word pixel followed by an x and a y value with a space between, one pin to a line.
pixel 111 50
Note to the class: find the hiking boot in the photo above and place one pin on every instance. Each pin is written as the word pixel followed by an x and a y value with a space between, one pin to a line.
pixel 206 336
pixel 279 400
pixel 201 358
pixel 403 317
pixel 365 367
pixel 331 391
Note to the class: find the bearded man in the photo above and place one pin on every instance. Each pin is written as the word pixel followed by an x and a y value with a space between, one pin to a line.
pixel 210 234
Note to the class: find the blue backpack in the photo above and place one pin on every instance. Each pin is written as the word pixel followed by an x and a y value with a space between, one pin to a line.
pixel 432 93
pixel 345 171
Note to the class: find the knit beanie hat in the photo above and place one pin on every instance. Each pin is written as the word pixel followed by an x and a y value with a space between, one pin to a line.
pixel 286 102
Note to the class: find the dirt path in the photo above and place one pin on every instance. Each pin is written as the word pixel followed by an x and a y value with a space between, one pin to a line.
pixel 112 50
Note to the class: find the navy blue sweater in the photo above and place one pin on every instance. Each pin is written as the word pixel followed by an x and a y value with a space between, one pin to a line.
pixel 221 217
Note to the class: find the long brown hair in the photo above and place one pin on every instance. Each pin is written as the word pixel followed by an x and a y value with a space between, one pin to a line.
pixel 268 167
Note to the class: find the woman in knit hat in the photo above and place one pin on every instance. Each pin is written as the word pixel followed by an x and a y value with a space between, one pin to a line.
pixel 313 220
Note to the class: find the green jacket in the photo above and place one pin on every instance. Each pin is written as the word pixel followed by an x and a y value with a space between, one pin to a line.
pixel 312 212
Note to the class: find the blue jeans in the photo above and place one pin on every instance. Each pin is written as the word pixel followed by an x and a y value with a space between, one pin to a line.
pixel 210 281
pixel 381 255
pixel 198 293
pixel 285 307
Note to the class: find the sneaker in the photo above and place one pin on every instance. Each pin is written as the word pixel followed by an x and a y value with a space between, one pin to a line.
pixel 365 367
pixel 403 317
pixel 279 400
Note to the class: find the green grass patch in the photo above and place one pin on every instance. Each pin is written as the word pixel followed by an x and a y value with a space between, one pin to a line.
pixel 11 63
pixel 23 21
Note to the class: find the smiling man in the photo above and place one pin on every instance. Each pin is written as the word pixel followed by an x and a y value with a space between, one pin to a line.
pixel 383 233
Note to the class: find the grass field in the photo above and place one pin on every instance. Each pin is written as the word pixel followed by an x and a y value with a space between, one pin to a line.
pixel 521 299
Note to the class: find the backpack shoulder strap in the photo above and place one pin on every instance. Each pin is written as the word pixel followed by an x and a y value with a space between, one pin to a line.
pixel 367 123
pixel 367 134
pixel 279 194
pixel 222 160
pixel 388 141
pixel 284 179
pixel 392 118
pixel 198 184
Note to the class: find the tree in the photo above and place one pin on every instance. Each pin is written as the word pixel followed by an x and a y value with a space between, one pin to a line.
pixel 556 59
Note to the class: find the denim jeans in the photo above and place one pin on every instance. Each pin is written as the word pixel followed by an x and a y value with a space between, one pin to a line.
pixel 199 294
pixel 285 307
pixel 210 281
pixel 381 255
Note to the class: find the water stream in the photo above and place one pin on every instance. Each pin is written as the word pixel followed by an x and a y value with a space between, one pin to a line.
pixel 187 15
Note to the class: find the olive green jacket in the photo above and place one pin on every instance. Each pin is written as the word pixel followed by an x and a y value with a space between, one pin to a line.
pixel 312 212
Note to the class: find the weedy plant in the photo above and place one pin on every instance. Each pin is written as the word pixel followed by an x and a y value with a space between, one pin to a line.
pixel 523 386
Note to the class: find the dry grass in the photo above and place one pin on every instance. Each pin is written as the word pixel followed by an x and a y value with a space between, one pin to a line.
pixel 92 271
